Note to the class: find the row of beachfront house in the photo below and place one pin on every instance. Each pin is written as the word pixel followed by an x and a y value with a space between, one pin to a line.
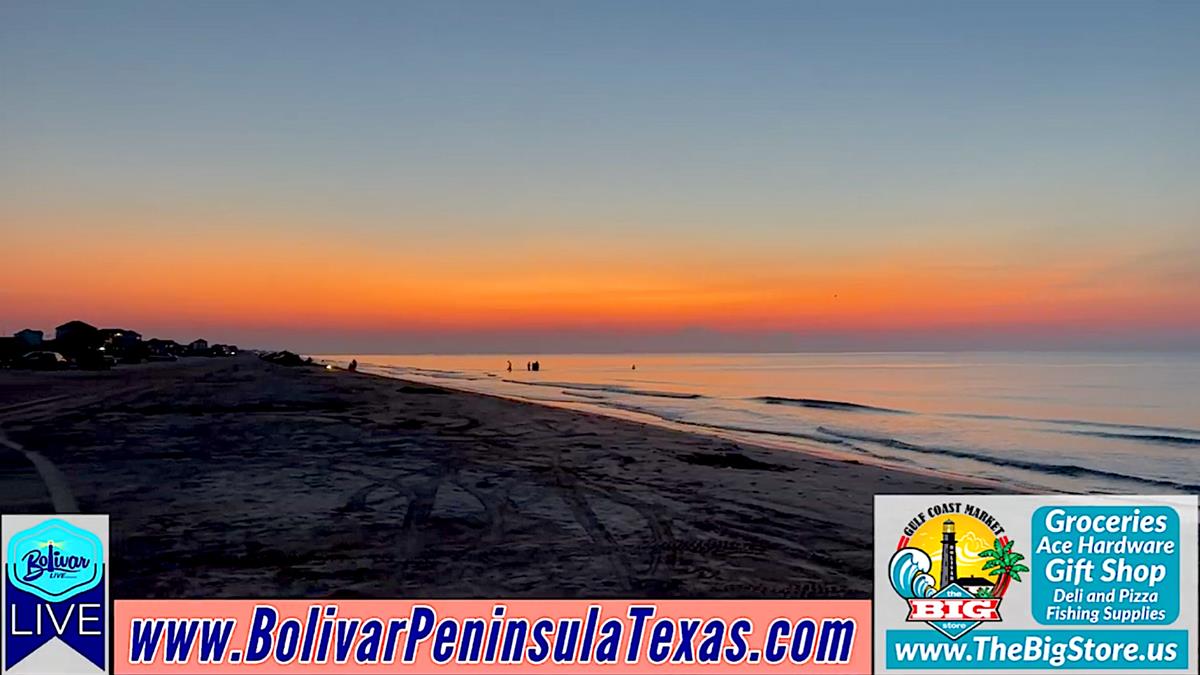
pixel 77 340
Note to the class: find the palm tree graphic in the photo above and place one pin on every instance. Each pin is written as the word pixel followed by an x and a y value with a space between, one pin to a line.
pixel 1004 563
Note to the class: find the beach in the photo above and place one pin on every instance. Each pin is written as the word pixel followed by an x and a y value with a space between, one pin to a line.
pixel 233 477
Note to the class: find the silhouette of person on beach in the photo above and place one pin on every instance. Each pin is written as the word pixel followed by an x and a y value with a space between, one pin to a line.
pixel 353 367
pixel 510 366
pixel 634 367
pixel 529 365
pixel 536 366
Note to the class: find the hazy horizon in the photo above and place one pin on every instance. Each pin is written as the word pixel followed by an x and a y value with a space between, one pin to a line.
pixel 697 340
pixel 539 177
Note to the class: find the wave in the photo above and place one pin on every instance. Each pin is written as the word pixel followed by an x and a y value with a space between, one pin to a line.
pixel 1075 423
pixel 1161 435
pixel 1156 439
pixel 851 441
pixel 610 388
pixel 749 416
pixel 846 440
pixel 718 427
pixel 432 372
pixel 1028 465
pixel 582 394
pixel 826 405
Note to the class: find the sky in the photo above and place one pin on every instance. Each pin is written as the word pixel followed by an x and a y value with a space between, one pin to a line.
pixel 387 177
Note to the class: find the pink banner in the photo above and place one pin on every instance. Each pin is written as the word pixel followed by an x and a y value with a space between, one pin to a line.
pixel 490 636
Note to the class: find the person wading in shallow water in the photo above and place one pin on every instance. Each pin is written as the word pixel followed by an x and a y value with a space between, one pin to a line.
pixel 510 366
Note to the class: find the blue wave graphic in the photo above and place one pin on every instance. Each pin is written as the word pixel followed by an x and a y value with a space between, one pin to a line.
pixel 909 573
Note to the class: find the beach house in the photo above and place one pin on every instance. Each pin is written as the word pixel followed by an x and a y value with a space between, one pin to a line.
pixel 120 339
pixel 163 347
pixel 29 337
pixel 77 332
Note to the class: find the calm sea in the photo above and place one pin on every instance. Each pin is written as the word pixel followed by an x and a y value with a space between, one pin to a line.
pixel 1076 422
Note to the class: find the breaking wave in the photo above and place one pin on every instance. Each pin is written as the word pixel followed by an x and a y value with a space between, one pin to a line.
pixel 909 573
pixel 1156 439
pixel 1028 465
pixel 610 388
pixel 822 404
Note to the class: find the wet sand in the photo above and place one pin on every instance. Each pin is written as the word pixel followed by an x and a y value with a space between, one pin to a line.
pixel 238 478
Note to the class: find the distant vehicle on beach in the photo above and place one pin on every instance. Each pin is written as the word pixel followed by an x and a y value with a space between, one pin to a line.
pixel 285 358
pixel 43 361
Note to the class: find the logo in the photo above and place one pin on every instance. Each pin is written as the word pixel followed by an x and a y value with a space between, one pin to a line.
pixel 55 594
pixel 55 560
pixel 952 567
pixel 1035 583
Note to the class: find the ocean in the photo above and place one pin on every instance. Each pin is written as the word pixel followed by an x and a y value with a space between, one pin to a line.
pixel 1070 422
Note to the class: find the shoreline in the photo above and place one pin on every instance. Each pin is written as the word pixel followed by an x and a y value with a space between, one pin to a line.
pixel 806 448
pixel 1029 424
pixel 238 478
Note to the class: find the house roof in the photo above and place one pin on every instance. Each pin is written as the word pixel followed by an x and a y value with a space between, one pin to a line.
pixel 76 324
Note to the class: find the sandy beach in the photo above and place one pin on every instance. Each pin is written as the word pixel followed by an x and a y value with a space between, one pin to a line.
pixel 238 478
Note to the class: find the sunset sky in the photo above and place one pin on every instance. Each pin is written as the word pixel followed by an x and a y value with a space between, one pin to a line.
pixel 561 176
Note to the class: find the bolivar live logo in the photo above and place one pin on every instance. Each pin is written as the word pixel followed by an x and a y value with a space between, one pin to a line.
pixel 952 566
pixel 55 594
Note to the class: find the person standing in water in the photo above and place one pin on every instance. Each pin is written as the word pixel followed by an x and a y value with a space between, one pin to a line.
pixel 510 366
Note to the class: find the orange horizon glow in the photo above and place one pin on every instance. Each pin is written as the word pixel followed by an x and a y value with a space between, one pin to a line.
pixel 221 276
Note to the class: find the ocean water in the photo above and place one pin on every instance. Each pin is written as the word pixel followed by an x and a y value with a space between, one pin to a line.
pixel 1072 422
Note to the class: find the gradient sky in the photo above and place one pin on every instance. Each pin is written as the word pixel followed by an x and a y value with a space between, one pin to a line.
pixel 559 176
